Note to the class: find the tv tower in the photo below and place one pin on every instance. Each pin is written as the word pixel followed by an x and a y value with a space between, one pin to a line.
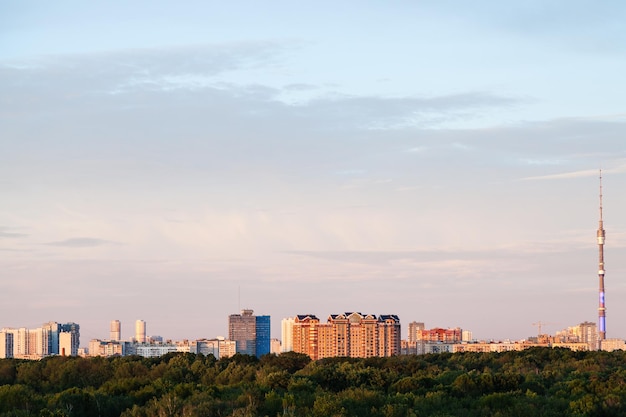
pixel 601 307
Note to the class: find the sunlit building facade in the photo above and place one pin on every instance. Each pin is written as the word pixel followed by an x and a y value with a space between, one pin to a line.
pixel 286 334
pixel 350 334
pixel 116 330
pixel 414 328
pixel 140 331
pixel 252 334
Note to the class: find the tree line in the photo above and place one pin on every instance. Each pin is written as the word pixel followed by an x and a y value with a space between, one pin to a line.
pixel 533 382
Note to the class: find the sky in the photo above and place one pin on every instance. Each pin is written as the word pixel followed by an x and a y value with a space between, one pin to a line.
pixel 176 162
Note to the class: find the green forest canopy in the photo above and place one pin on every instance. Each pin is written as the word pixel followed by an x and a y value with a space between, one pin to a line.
pixel 533 382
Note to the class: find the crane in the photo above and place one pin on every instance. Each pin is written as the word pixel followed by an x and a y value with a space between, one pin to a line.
pixel 539 324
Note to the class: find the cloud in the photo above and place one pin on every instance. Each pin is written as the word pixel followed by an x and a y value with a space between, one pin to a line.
pixel 201 75
pixel 4 233
pixel 620 168
pixel 387 257
pixel 565 175
pixel 382 113
pixel 81 242
pixel 530 161
pixel 58 81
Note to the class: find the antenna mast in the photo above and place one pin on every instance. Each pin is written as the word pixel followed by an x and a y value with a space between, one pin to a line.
pixel 601 306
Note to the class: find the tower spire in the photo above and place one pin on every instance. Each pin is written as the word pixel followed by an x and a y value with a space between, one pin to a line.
pixel 601 305
pixel 601 199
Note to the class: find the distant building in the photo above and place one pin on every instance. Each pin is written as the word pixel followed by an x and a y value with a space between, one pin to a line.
pixel 286 334
pixel 350 334
pixel 609 345
pixel 488 347
pixel 107 348
pixel 37 343
pixel 140 331
pixel 440 335
pixel 414 328
pixel 6 344
pixel 205 347
pixel 219 348
pixel 53 329
pixel 251 333
pixel 275 346
pixel 466 336
pixel 149 350
pixel 228 348
pixel 585 332
pixel 116 330
pixel 69 339
pixel 242 329
pixel 262 335
pixel 305 335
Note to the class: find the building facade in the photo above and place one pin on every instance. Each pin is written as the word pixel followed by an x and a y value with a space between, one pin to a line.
pixel 414 328
pixel 140 331
pixel 116 331
pixel 350 334
pixel 263 335
pixel 6 344
pixel 286 334
pixel 43 341
pixel 252 334
pixel 440 335
pixel 242 329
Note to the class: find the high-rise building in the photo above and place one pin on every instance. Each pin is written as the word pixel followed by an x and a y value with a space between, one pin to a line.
pixel 6 344
pixel 305 335
pixel 467 336
pixel 53 328
pixel 286 334
pixel 242 329
pixel 389 335
pixel 69 339
pixel 251 333
pixel 116 331
pixel 262 335
pixel 350 334
pixel 587 333
pixel 140 331
pixel 40 342
pixel 414 328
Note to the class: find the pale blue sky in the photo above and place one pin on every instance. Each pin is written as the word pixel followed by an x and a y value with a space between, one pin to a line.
pixel 435 160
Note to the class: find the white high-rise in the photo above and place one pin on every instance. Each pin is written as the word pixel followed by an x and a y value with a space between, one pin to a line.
pixel 140 331
pixel 116 330
pixel 286 327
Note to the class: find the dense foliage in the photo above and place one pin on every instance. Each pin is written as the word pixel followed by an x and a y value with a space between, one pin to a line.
pixel 534 382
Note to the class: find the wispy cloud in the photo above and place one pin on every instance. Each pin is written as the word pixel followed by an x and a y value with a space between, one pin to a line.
pixel 620 168
pixel 6 233
pixel 565 175
pixel 531 161
pixel 81 242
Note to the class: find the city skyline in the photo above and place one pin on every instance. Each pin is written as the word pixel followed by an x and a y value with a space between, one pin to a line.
pixel 352 334
pixel 438 162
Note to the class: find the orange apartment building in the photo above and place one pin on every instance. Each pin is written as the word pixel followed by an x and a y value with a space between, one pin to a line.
pixel 440 335
pixel 350 334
